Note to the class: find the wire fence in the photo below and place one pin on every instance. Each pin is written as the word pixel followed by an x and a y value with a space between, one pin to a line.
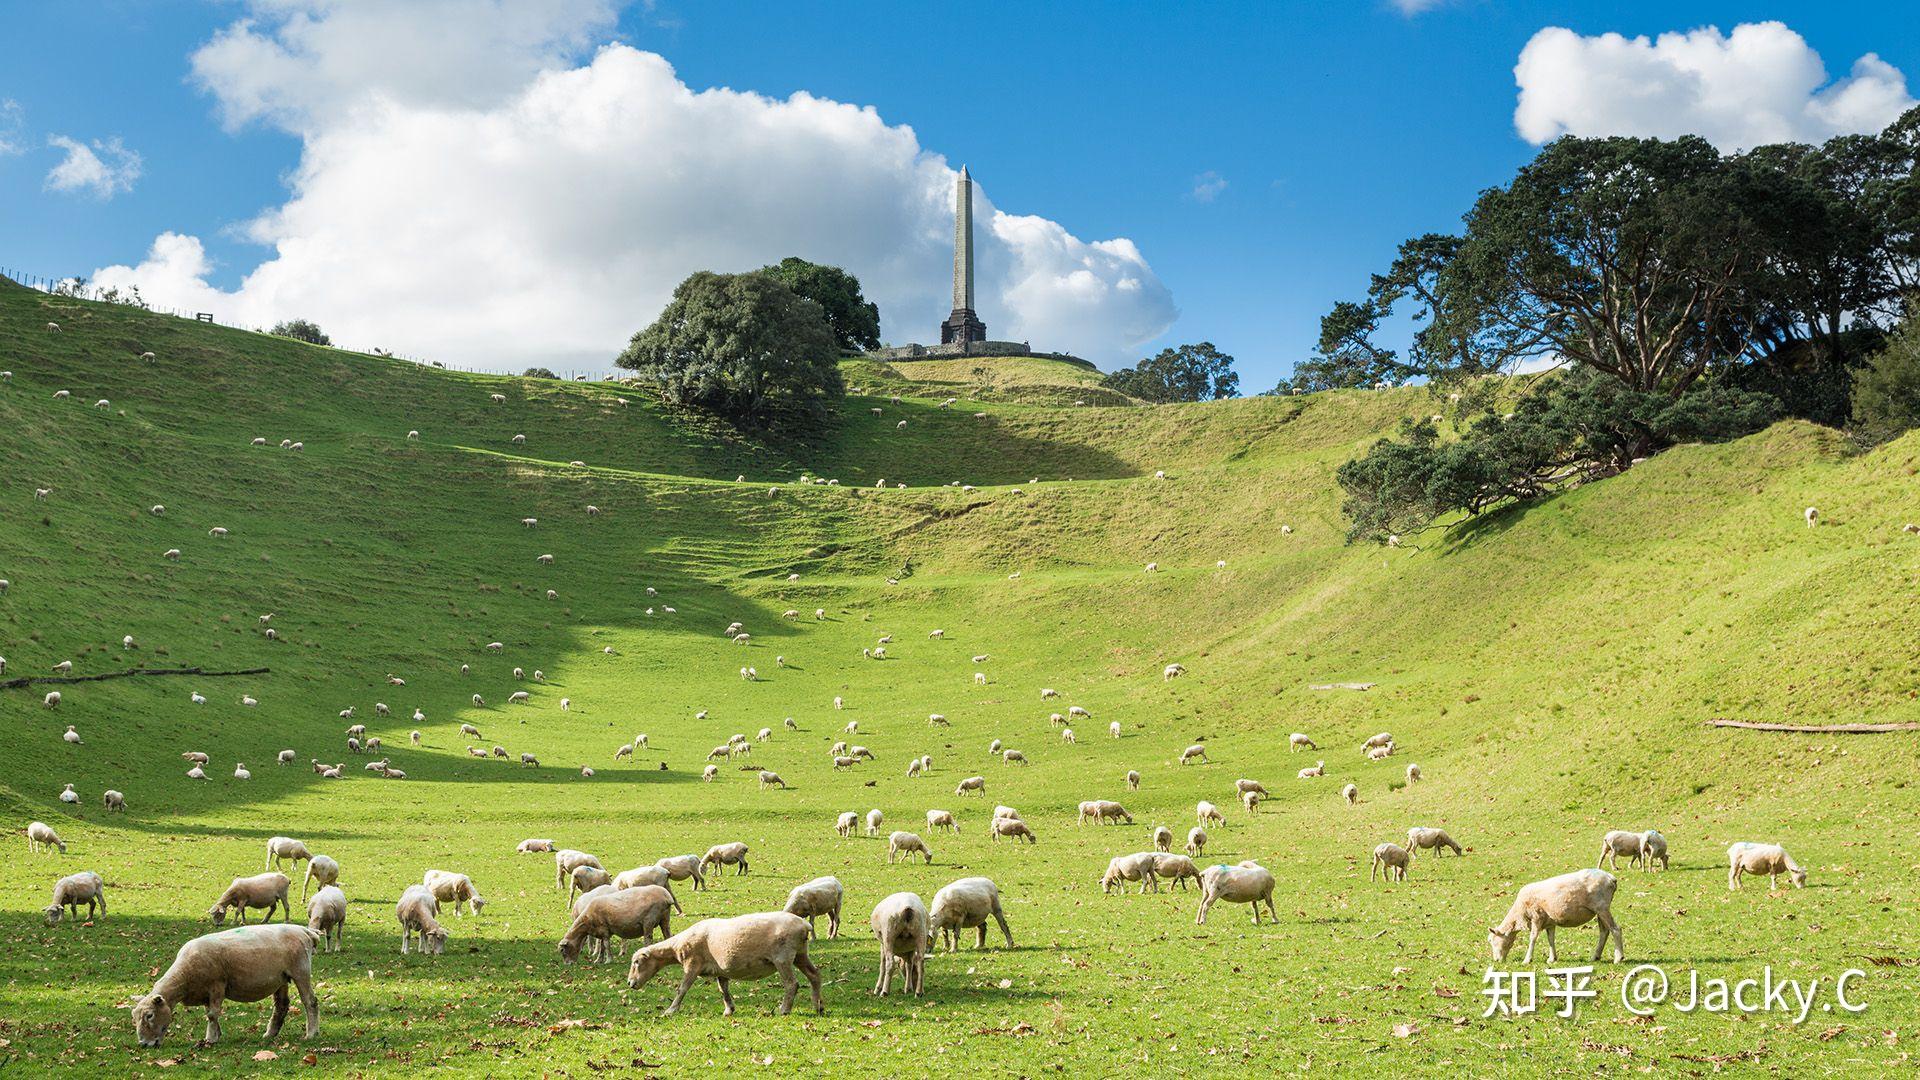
pixel 81 289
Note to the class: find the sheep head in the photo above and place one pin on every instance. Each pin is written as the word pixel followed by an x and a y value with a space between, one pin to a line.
pixel 152 1015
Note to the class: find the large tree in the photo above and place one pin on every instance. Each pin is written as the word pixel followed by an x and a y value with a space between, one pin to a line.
pixel 743 346
pixel 1196 372
pixel 302 330
pixel 855 322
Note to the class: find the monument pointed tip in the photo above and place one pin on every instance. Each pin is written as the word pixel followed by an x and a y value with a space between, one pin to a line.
pixel 964 174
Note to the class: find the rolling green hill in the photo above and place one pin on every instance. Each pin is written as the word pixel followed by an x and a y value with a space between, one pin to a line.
pixel 1551 670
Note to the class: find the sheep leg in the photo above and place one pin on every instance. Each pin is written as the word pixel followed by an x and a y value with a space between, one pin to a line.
pixel 833 924
pixel 1552 958
pixel 1206 901
pixel 309 1004
pixel 790 985
pixel 982 942
pixel 885 981
pixel 916 972
pixel 281 1004
pixel 1609 928
pixel 812 972
pixel 686 983
pixel 1002 920
pixel 726 995
pixel 1532 933
pixel 215 995
pixel 1274 916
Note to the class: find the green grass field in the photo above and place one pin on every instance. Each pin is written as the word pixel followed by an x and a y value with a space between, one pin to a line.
pixel 1551 671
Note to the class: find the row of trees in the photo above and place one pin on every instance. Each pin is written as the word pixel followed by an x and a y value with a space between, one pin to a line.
pixel 1688 295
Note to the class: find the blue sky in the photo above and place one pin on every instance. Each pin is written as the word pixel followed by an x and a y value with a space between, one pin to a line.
pixel 1262 158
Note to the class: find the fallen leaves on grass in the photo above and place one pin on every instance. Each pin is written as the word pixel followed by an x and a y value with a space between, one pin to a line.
pixel 569 1024
pixel 265 1055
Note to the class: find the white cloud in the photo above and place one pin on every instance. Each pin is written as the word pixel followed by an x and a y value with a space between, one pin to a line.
pixel 1760 84
pixel 13 120
pixel 1414 7
pixel 546 222
pixel 102 169
pixel 1208 186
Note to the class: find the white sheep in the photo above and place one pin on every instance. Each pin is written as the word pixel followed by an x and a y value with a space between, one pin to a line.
pixel 1769 859
pixel 1195 752
pixel 1196 841
pixel 847 822
pixel 235 965
pixel 327 913
pixel 904 844
pixel 1435 840
pixel 1351 793
pixel 285 847
pixel 821 896
pixel 968 902
pixel 1413 773
pixel 971 784
pixel 1208 814
pixel 1812 516
pixel 1318 768
pixel 1247 883
pixel 1618 842
pixel 901 924
pixel 52 700
pixel 874 820
pixel 1653 846
pixel 743 947
pixel 1172 671
pixel 72 891
pixel 268 890
pixel 416 912
pixel 609 913
pixel 1573 899
pixel 1162 838
pixel 733 854
pixel 1102 811
pixel 683 867
pixel 68 795
pixel 41 837
pixel 320 868
pixel 1133 780
pixel 1124 868
pixel 1012 828
pixel 942 819
pixel 1012 757
pixel 451 888
pixel 1113 729
pixel 1394 858
pixel 113 801
pixel 531 846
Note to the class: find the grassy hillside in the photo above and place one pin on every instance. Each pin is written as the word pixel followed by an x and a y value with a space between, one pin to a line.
pixel 1550 670
pixel 1032 379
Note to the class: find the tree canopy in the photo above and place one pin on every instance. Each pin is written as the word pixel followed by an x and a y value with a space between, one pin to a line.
pixel 744 346
pixel 538 373
pixel 854 321
pixel 1196 372
pixel 302 330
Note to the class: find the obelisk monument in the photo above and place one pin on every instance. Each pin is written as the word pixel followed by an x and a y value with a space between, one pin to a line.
pixel 963 326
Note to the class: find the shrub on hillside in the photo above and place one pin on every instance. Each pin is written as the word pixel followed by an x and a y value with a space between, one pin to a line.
pixel 743 346
pixel 1579 427
pixel 1886 394
pixel 302 330
pixel 538 373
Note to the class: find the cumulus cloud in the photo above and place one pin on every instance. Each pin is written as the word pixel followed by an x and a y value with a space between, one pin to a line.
pixel 1208 186
pixel 103 168
pixel 1760 84
pixel 545 222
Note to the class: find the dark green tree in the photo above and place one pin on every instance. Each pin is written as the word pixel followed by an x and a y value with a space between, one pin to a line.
pixel 855 322
pixel 302 330
pixel 744 346
pixel 1197 372
pixel 1886 393
pixel 538 373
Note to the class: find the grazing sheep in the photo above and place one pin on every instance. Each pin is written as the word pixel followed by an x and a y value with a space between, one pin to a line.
pixel 1196 841
pixel 1174 868
pixel 1436 840
pixel 283 847
pixel 1162 838
pixel 1172 671
pixel 993 747
pixel 1351 793
pixel 847 823
pixel 941 819
pixel 904 844
pixel 41 837
pixel 52 700
pixel 1102 811
pixel 322 869
pixel 606 914
pixel 585 879
pixel 682 867
pixel 416 912
pixel 529 761
pixel 528 847
pixel 1133 780
pixel 234 965
pixel 710 774
pixel 1198 751
pixel 1395 858
pixel 1066 735
pixel 966 903
pixel 268 890
pixel 821 896
pixel 1413 773
pixel 565 862
pixel 1010 827
pixel 113 801
pixel 769 779
pixel 1250 800
pixel 1247 883
pixel 1568 900
pixel 1812 516
pixel 1012 757
pixel 1619 842
pixel 1769 859
pixel 901 924
pixel 743 947
pixel 973 784
pixel 327 913
pixel 874 820
pixel 451 888
pixel 72 891
pixel 1382 739
pixel 1380 753
pixel 1653 846
pixel 733 854
pixel 1208 814
pixel 1124 868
